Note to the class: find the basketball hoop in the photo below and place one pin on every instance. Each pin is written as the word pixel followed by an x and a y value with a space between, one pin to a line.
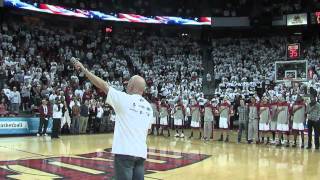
pixel 291 82
pixel 288 81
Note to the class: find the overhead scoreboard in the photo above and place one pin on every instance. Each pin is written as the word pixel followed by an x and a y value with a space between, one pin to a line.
pixel 293 51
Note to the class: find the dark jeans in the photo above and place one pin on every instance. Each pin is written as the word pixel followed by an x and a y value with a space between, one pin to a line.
pixel 97 124
pixel 316 126
pixel 243 126
pixel 15 108
pixel 75 125
pixel 44 125
pixel 56 125
pixel 189 122
pixel 128 167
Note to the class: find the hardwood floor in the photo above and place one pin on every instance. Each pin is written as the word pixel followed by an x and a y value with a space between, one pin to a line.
pixel 89 157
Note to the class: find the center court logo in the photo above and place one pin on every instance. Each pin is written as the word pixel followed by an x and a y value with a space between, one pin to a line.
pixel 97 165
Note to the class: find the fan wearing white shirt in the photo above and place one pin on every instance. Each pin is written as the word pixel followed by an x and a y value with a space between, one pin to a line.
pixel 134 117
pixel 15 100
pixel 57 114
pixel 79 92
pixel 98 119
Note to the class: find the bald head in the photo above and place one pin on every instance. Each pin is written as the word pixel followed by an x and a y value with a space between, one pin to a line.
pixel 136 85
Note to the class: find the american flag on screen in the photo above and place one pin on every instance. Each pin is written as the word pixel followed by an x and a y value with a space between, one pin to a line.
pixel 60 10
pixel 122 17
pixel 22 5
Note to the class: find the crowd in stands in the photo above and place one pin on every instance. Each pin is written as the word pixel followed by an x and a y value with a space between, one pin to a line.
pixel 246 67
pixel 35 66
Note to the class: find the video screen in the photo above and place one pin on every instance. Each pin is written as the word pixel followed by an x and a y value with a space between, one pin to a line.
pixel 121 17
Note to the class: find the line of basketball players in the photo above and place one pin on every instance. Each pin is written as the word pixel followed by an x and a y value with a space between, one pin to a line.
pixel 259 120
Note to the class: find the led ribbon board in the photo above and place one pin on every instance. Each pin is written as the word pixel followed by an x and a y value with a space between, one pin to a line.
pixel 120 17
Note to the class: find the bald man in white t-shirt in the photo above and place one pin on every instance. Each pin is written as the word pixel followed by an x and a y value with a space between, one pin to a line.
pixel 134 117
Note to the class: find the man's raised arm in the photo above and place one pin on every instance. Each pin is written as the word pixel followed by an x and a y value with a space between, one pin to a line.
pixel 95 80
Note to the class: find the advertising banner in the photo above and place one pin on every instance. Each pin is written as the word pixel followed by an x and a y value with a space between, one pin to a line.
pixel 21 125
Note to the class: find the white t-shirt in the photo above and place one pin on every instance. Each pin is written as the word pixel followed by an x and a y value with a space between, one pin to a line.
pixel 99 112
pixel 78 92
pixel 134 116
pixel 56 114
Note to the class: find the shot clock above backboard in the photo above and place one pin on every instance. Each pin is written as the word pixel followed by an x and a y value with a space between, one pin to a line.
pixel 293 51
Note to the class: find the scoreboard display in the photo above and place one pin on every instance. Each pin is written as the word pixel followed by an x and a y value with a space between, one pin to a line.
pixel 315 17
pixel 293 51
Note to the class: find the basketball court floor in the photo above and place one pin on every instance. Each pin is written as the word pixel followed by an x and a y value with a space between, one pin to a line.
pixel 83 157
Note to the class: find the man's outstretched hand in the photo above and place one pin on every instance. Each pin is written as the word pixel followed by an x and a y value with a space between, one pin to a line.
pixel 95 80
pixel 77 64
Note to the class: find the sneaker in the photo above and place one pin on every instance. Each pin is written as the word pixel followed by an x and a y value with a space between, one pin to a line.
pixel 309 147
pixel 181 135
pixel 38 134
pixel 177 135
pixel 294 145
pixel 249 141
pixel 45 134
pixel 287 145
pixel 267 143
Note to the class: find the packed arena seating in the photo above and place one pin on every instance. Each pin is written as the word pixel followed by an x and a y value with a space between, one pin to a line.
pixel 245 67
pixel 245 64
pixel 35 60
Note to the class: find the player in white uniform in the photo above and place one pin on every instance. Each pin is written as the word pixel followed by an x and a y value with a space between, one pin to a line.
pixel 178 115
pixel 264 119
pixel 155 108
pixel 224 120
pixel 195 119
pixel 164 117
pixel 298 120
pixel 283 120
pixel 274 117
